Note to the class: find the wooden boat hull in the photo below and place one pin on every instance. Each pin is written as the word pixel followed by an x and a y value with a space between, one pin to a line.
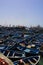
pixel 6 59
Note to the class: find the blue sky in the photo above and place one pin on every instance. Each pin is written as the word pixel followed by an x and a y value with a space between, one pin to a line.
pixel 21 12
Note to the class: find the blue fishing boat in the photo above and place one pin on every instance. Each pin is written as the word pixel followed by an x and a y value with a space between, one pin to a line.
pixel 33 60
pixel 18 51
pixel 21 45
pixel 28 61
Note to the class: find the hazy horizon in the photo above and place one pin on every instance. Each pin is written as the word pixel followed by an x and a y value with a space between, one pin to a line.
pixel 21 12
